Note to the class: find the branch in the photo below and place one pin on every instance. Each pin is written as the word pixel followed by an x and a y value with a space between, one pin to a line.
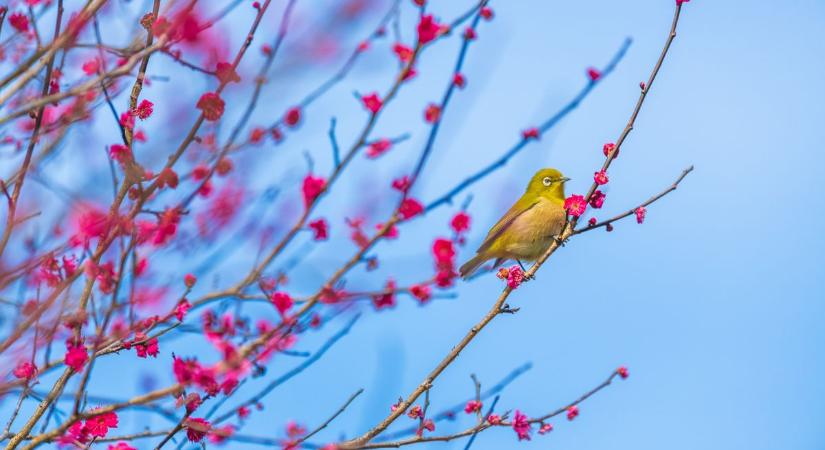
pixel 632 211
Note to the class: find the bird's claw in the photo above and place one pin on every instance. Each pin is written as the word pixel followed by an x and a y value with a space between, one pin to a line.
pixel 561 242
pixel 529 276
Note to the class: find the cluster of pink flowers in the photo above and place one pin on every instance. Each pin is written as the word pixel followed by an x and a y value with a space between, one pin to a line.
pixel 96 426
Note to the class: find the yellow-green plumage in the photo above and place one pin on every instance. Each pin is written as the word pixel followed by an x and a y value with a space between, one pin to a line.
pixel 527 229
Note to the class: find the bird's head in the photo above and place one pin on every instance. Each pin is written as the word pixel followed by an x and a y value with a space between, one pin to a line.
pixel 548 183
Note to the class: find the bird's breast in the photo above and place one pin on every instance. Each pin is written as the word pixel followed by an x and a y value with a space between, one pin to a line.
pixel 532 231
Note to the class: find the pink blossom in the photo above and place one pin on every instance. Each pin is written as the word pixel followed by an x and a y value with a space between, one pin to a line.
pixel 597 199
pixel 640 212
pixel 428 29
pixel 593 73
pixel 372 102
pixel 312 188
pixel 25 370
pixel 530 133
pixel 378 148
pixel 521 425
pixel 515 276
pixel 473 406
pixel 76 355
pixel 575 205
pixel 410 208
pixel 196 429
pixel 320 229
pixel 282 302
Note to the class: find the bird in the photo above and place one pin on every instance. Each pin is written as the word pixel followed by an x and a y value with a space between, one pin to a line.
pixel 527 229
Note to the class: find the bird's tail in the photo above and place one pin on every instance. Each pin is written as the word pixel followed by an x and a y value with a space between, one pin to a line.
pixel 472 265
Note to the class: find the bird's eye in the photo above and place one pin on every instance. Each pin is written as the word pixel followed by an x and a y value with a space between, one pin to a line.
pixel 547 181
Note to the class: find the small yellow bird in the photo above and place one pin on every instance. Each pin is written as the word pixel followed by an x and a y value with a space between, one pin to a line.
pixel 528 228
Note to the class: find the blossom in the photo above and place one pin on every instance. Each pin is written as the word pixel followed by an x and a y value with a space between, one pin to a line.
pixel 460 222
pixel 640 214
pixel 196 429
pixel 469 33
pixel 224 166
pixel 76 355
pixel 120 446
pixel 487 13
pixel 120 153
pixel 593 73
pixel 320 229
pixel 545 428
pixel 473 406
pixel 167 177
pixel 25 370
pixel 421 292
pixel 622 371
pixel 608 147
pixel 597 199
pixel 459 80
pixel 127 120
pixel 401 184
pixel 515 276
pixel 415 412
pixel 444 278
pixel 256 135
pixel 591 221
pixel 428 425
pixel 147 347
pixel 98 426
pixel 410 208
pixel 312 188
pixel 391 233
pixel 219 435
pixel 494 419
pixel 575 205
pixel 432 113
pixel 530 133
pixel 403 52
pixel 521 425
pixel 444 253
pixel 91 66
pixel 292 116
pixel 600 177
pixel 386 298
pixel 144 109
pixel 77 432
pixel 19 21
pixel 211 105
pixel 282 302
pixel 378 148
pixel 679 2
pixel 182 308
pixel 372 102
pixel 572 412
pixel 428 29
pixel 226 73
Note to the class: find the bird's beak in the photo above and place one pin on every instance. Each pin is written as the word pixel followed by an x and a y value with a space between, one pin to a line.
pixel 565 179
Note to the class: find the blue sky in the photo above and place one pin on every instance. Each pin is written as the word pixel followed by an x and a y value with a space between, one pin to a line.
pixel 715 303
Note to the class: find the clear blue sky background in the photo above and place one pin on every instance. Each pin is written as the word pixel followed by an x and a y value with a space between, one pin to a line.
pixel 715 304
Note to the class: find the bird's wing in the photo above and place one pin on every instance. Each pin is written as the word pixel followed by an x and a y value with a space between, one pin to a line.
pixel 519 208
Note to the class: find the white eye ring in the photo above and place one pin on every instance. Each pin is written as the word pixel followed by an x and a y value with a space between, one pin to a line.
pixel 547 181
